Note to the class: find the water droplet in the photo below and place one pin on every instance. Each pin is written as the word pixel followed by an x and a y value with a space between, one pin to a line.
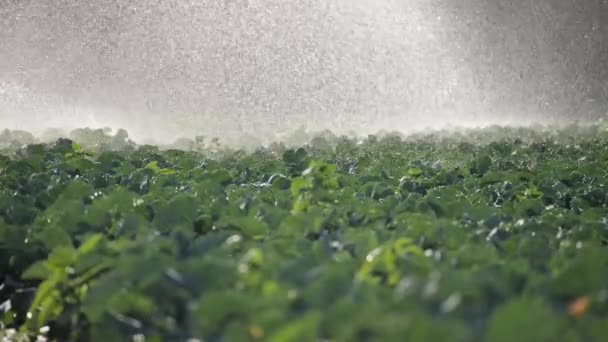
pixel 292 294
pixel 373 254
pixel 234 239
pixel 432 286
pixel 451 303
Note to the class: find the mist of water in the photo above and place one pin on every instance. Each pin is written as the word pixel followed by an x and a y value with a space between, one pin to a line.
pixel 226 68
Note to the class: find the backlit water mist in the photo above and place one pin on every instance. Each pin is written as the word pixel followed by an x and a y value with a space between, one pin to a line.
pixel 163 69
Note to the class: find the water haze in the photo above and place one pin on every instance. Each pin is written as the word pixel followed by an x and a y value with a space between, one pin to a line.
pixel 230 68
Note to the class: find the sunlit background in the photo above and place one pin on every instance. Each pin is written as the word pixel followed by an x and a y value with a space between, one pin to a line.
pixel 231 68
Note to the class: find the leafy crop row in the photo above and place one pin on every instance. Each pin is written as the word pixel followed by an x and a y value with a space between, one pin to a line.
pixel 385 239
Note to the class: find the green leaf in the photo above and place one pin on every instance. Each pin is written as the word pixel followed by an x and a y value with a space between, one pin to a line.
pixel 36 271
pixel 166 172
pixel 53 237
pixel 414 172
pixel 481 165
pixel 90 244
pixel 62 257
pixel 76 147
pixel 249 226
pixel 181 209
pixel 300 185
pixel 153 165
pixel 303 329
pixel 220 307
pixel 47 304
pixel 582 274
pixel 524 320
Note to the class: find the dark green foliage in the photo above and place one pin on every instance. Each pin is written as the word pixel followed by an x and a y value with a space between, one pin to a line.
pixel 434 239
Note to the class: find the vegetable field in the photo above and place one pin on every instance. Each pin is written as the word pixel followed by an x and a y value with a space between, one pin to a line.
pixel 493 235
